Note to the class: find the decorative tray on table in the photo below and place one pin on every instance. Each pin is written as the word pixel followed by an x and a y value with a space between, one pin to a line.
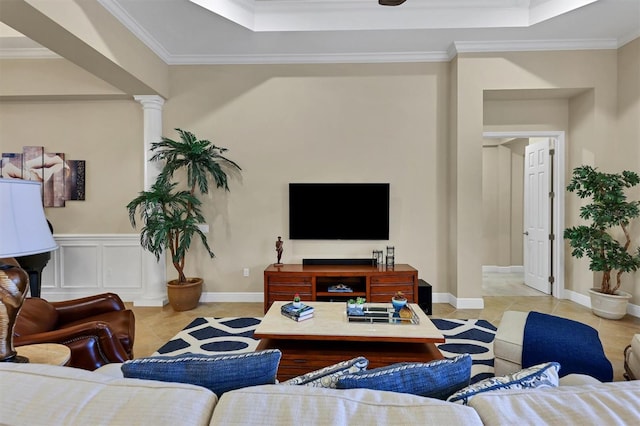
pixel 382 313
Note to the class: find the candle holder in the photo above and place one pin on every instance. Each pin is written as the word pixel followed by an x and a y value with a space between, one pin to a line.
pixel 391 256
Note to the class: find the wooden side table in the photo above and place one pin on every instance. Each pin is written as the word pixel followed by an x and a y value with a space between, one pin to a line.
pixel 46 353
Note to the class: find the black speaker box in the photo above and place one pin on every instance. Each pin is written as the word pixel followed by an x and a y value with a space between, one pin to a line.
pixel 425 297
pixel 338 261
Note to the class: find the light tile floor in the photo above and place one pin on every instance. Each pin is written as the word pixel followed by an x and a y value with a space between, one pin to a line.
pixel 511 284
pixel 155 326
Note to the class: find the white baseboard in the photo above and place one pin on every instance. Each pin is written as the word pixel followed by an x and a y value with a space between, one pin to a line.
pixel 513 269
pixel 458 303
pixel 440 297
pixel 580 299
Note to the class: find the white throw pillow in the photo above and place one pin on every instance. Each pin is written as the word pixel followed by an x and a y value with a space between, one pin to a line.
pixel 538 376
pixel 328 376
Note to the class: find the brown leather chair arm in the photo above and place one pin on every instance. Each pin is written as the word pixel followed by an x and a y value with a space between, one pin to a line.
pixel 78 309
pixel 92 344
pixel 9 261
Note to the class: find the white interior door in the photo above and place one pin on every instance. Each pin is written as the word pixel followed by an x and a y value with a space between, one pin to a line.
pixel 537 214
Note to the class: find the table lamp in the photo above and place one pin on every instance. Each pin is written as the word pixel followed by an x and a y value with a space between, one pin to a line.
pixel 23 231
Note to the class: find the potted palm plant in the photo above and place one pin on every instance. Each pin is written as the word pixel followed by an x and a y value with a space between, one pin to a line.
pixel 171 216
pixel 606 241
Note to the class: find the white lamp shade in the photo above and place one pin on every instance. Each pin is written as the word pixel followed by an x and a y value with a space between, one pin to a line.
pixel 23 227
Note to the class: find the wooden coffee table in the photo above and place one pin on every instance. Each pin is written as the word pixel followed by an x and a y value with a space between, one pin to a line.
pixel 329 337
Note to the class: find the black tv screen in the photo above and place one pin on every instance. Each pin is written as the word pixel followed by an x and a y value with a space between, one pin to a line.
pixel 339 211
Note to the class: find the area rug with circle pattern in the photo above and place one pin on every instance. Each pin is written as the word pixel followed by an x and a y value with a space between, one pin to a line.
pixel 235 335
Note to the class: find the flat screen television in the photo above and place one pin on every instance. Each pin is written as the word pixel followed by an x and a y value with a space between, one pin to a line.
pixel 339 211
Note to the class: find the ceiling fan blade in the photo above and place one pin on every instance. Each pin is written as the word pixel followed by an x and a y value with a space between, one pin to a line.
pixel 390 2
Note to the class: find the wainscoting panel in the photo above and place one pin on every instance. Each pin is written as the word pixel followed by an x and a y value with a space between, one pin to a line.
pixel 79 265
pixel 89 264
pixel 122 266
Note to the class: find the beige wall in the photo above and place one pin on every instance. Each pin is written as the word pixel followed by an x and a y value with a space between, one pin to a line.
pixel 317 123
pixel 517 208
pixel 502 203
pixel 490 197
pixel 51 79
pixel 106 134
pixel 514 115
pixel 582 70
pixel 629 131
pixel 417 126
pixel 332 123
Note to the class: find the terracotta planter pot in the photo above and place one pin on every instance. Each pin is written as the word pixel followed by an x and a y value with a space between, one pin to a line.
pixel 610 306
pixel 184 297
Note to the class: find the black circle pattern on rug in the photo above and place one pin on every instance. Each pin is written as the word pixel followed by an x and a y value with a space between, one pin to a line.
pixel 214 336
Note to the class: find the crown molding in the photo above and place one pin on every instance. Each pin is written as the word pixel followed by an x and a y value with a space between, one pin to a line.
pixel 532 45
pixel 311 58
pixel 358 57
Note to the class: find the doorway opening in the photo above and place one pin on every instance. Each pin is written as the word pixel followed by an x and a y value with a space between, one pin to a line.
pixel 548 264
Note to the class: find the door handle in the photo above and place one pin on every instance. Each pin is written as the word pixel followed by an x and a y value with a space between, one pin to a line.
pixel 525 233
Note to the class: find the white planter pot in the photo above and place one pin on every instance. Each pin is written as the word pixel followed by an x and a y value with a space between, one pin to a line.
pixel 610 306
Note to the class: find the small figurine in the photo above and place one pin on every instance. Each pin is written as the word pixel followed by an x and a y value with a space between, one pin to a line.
pixel 279 249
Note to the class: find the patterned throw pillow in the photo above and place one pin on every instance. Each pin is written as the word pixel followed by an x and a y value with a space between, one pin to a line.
pixel 539 376
pixel 435 379
pixel 328 376
pixel 219 373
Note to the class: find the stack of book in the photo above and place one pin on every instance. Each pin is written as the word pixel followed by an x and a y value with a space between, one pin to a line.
pixel 301 313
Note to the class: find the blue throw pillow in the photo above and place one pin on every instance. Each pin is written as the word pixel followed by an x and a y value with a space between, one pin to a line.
pixel 539 376
pixel 436 379
pixel 220 373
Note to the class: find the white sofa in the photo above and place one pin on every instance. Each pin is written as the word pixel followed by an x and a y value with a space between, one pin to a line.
pixel 33 394
pixel 632 358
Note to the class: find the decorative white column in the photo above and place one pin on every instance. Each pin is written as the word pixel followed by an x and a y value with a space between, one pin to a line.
pixel 154 273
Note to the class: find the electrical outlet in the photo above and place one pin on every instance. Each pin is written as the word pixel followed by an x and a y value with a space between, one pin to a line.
pixel 245 272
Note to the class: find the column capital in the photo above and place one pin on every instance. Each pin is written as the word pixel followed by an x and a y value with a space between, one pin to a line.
pixel 150 101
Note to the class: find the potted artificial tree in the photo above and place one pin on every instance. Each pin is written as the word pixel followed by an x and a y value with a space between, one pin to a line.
pixel 171 216
pixel 609 213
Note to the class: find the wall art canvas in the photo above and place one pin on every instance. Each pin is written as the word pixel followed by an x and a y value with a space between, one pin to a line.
pixel 62 179
pixel 11 165
pixel 76 180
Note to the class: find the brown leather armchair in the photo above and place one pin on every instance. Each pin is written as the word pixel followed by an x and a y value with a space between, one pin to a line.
pixel 98 329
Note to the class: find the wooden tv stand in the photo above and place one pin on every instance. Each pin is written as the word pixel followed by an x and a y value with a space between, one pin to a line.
pixel 312 282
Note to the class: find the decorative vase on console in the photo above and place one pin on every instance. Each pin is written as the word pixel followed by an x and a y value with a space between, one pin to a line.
pixel 398 301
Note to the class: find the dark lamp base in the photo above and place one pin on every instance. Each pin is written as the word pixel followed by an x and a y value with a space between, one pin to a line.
pixel 18 359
